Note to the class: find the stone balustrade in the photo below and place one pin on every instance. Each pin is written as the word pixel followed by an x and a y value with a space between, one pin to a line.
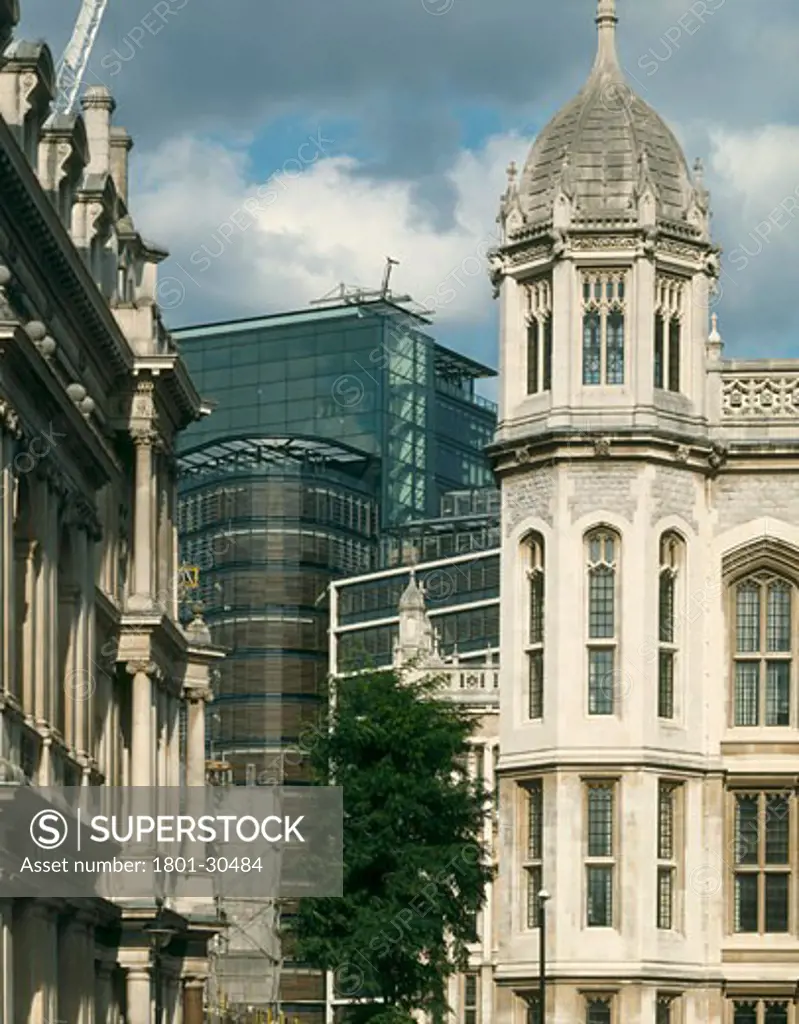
pixel 477 684
pixel 756 395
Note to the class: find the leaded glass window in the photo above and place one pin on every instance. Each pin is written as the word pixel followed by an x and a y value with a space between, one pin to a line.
pixel 602 550
pixel 604 309
pixel 762 872
pixel 600 854
pixel 763 657
pixel 539 336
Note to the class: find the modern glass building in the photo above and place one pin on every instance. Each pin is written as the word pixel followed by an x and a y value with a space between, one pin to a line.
pixel 455 557
pixel 332 427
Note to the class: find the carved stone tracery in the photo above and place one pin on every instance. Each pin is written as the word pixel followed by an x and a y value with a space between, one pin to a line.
pixel 755 396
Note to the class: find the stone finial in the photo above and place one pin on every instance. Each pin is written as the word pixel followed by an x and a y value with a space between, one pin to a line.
pixel 714 345
pixel 606 20
pixel 98 106
pixel 511 172
pixel 197 630
pixel 120 146
pixel 606 11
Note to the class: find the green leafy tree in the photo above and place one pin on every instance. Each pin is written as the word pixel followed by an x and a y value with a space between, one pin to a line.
pixel 415 866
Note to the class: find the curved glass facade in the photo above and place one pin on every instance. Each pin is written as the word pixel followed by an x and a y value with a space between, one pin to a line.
pixel 267 538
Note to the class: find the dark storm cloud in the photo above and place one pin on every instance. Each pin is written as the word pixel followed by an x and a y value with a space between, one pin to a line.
pixel 398 69
pixel 193 65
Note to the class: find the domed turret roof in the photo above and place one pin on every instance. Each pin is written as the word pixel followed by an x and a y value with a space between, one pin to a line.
pixel 412 598
pixel 605 146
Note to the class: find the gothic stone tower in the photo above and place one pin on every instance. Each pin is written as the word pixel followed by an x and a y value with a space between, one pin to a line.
pixel 649 726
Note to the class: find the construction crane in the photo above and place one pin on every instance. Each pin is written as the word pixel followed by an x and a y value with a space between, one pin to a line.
pixel 75 59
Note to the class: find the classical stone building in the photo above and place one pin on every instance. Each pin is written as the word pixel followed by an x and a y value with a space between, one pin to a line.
pixel 96 676
pixel 650 566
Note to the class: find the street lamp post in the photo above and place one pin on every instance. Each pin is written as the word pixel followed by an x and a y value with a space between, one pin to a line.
pixel 543 896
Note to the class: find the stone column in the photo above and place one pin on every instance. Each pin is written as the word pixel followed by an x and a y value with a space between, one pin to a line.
pixel 195 738
pixel 68 605
pixel 35 957
pixel 143 527
pixel 23 664
pixel 49 697
pixel 104 992
pixel 143 741
pixel 9 678
pixel 174 741
pixel 6 963
pixel 139 996
pixel 76 988
pixel 85 654
pixel 163 736
pixel 193 989
pixel 173 1002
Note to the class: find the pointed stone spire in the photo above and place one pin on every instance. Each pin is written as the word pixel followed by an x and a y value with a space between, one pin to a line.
pixel 606 19
pixel 416 638
pixel 700 190
pixel 714 345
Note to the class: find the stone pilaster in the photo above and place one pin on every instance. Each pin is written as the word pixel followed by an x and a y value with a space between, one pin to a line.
pixel 141 598
pixel 195 739
pixel 142 755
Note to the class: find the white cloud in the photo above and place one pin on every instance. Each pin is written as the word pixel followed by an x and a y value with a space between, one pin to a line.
pixel 264 246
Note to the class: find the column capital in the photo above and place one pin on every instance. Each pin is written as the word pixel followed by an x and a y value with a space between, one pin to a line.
pixel 198 694
pixel 194 980
pixel 145 436
pixel 149 668
pixel 9 419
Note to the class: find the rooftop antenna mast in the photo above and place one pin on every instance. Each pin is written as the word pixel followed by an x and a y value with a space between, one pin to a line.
pixel 390 264
pixel 349 295
pixel 75 59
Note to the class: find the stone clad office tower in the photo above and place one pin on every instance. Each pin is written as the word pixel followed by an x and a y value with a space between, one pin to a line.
pixel 649 722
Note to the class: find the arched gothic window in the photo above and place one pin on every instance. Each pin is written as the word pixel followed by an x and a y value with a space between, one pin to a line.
pixel 535 625
pixel 603 327
pixel 763 650
pixel 602 551
pixel 671 557
pixel 668 333
pixel 539 337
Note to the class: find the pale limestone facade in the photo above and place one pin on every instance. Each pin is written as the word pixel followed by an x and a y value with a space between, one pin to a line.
pixel 95 671
pixel 649 711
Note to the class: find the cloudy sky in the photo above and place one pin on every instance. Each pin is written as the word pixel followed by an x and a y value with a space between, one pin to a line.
pixel 283 148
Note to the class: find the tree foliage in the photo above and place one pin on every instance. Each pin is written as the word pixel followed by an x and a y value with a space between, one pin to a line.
pixel 415 866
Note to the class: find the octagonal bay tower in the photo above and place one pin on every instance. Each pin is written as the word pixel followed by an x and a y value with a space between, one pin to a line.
pixel 650 612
